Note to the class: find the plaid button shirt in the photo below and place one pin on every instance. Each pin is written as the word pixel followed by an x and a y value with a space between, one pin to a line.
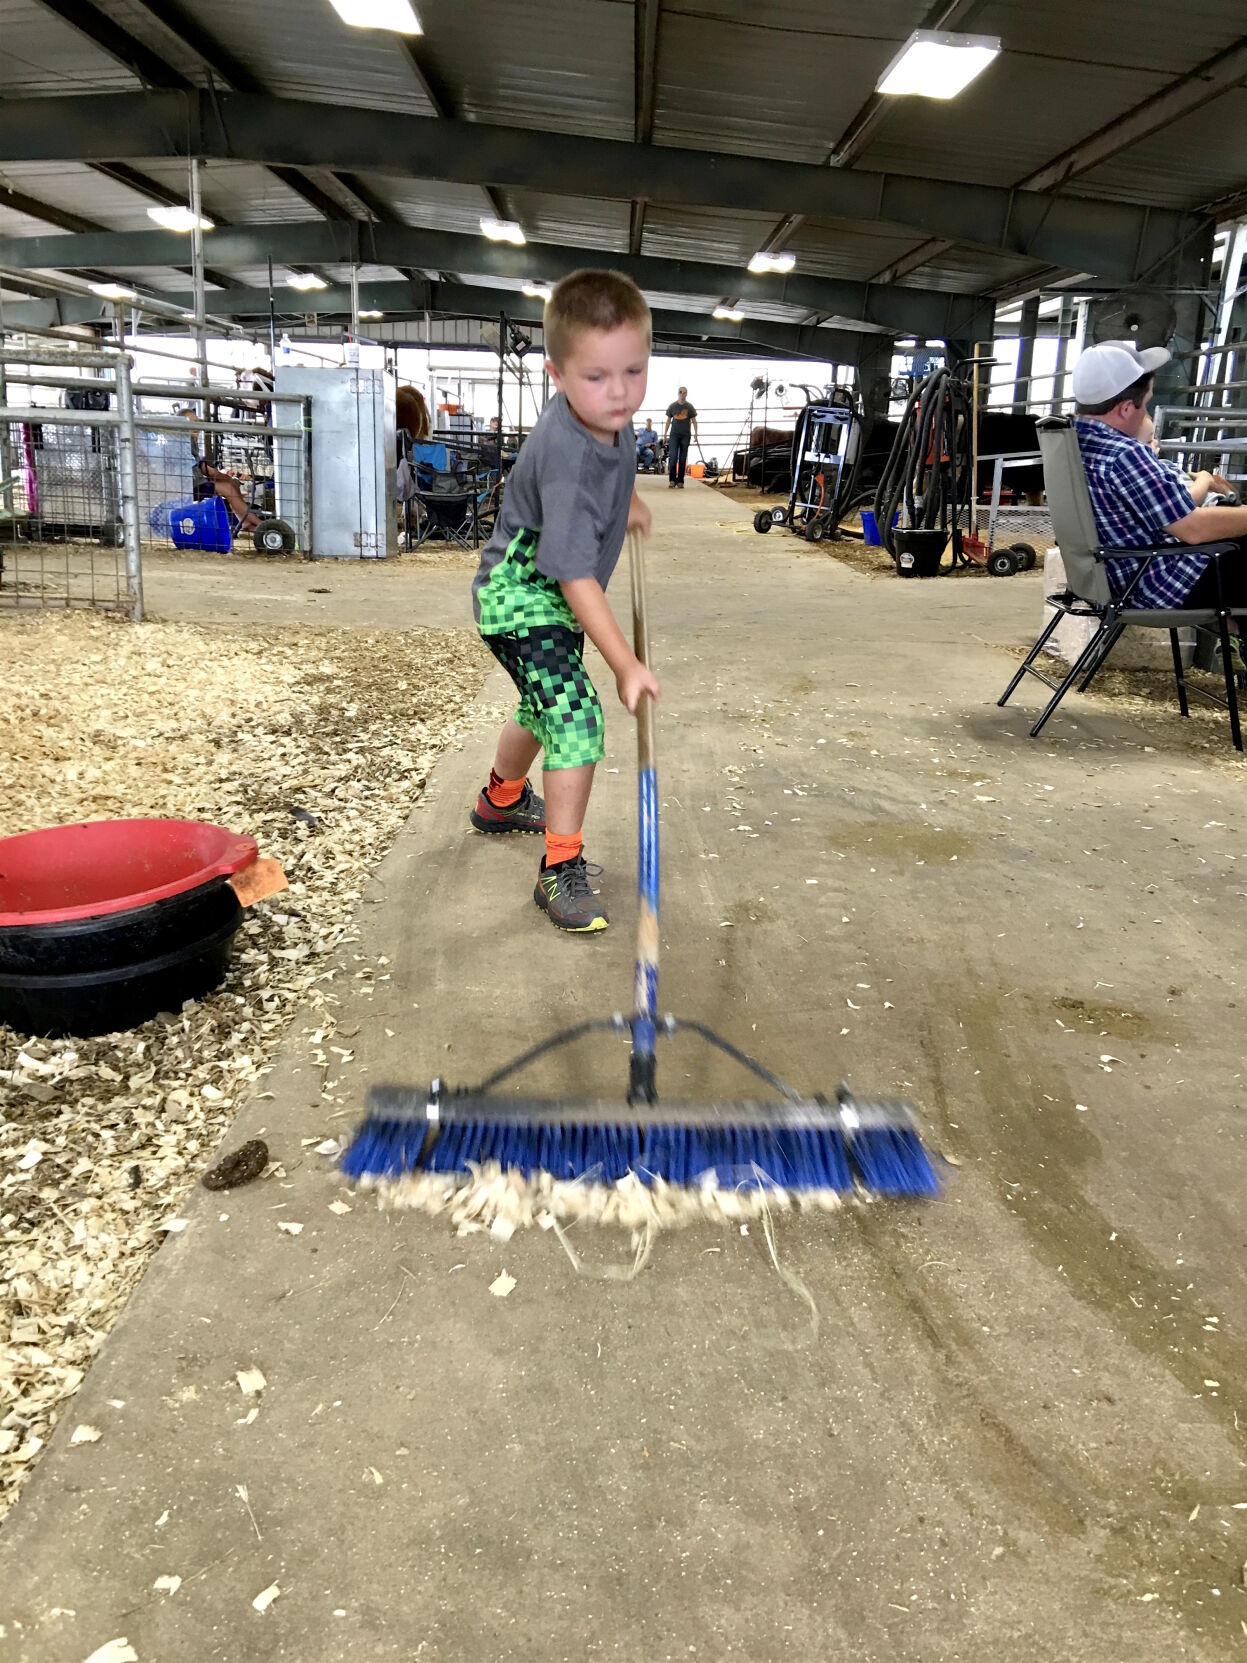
pixel 1134 496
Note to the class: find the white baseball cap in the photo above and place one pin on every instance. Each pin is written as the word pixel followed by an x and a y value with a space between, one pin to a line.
pixel 1108 369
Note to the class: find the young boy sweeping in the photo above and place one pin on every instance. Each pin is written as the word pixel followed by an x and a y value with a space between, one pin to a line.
pixel 541 585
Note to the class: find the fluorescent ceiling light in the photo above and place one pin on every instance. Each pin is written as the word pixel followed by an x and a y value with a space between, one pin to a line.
pixel 371 314
pixel 398 15
pixel 306 280
pixel 113 291
pixel 762 263
pixel 178 219
pixel 538 291
pixel 725 314
pixel 908 344
pixel 504 231
pixel 934 65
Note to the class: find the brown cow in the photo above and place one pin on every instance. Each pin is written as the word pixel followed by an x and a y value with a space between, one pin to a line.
pixel 411 412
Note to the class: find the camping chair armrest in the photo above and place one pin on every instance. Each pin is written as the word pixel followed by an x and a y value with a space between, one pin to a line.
pixel 1158 551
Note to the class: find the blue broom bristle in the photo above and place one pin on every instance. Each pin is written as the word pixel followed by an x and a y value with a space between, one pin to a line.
pixel 892 1161
pixel 384 1149
pixel 748 1156
pixel 887 1160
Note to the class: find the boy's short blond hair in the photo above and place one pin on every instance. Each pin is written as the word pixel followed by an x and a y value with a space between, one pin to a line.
pixel 591 300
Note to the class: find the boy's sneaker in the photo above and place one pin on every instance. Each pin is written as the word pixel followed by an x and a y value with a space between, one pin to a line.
pixel 526 814
pixel 565 894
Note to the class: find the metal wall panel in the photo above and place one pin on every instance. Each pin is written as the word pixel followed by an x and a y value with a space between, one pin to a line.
pixel 1197 159
pixel 587 222
pixel 1018 115
pixel 238 191
pixel 142 22
pixel 41 56
pixel 13 224
pixel 566 65
pixel 830 248
pixel 1146 35
pixel 76 188
pixel 757 91
pixel 302 49
pixel 429 202
pixel 970 269
pixel 704 234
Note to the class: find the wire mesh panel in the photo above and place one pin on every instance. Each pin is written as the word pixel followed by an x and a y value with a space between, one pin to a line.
pixel 1004 515
pixel 214 476
pixel 62 531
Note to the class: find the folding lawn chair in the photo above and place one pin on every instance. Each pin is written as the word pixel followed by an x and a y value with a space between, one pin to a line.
pixel 1088 594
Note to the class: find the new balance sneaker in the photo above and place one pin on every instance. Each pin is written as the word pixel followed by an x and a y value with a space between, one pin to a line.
pixel 526 814
pixel 566 896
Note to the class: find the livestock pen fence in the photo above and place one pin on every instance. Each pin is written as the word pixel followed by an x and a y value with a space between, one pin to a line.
pixel 97 468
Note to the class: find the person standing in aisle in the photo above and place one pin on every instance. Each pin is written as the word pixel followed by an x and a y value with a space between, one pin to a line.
pixel 681 418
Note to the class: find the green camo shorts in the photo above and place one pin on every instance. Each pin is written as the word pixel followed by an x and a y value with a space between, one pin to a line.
pixel 558 703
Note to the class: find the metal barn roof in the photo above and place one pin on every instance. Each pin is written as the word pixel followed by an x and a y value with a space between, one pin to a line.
pixel 1105 139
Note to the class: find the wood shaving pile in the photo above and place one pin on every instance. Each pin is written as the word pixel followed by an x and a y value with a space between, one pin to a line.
pixel 100 1139
pixel 487 1198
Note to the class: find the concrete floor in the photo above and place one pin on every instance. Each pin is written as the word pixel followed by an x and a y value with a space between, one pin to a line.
pixel 1016 1431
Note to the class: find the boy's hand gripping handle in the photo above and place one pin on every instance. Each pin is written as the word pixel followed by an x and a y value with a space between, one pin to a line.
pixel 642 1086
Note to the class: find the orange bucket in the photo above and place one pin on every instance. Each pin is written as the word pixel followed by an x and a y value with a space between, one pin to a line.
pixel 697 470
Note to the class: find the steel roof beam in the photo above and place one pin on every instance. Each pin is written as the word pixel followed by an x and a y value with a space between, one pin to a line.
pixel 33 208
pixel 442 105
pixel 928 311
pixel 1204 83
pixel 149 67
pixel 945 14
pixel 1115 239
pixel 75 223
pixel 1190 92
pixel 910 262
pixel 690 331
pixel 841 346
pixel 645 15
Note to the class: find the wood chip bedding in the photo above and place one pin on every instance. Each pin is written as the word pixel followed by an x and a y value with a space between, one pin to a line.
pixel 316 742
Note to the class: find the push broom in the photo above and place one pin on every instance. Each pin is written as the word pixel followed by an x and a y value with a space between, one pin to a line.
pixel 783 1138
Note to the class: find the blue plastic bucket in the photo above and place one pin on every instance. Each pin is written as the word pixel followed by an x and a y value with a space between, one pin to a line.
pixel 870 528
pixel 201 525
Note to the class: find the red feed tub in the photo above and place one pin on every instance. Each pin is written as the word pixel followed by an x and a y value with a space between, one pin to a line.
pixel 104 924
pixel 105 866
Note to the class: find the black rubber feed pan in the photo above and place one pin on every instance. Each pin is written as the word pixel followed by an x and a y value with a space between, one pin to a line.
pixel 104 924
pixel 106 1001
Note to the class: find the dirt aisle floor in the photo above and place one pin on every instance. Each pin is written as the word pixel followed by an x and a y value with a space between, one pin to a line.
pixel 1015 1432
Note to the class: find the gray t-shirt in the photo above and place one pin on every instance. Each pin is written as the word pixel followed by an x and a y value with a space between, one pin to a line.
pixel 564 514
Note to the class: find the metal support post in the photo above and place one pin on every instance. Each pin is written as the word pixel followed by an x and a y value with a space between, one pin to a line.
pixel 197 278
pixel 1027 330
pixel 1064 326
pixel 502 352
pixel 6 470
pixel 128 470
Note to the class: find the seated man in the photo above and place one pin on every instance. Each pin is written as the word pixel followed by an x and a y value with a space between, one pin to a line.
pixel 646 445
pixel 1140 501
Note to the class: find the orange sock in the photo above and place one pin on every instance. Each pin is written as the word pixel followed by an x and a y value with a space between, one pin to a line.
pixel 502 793
pixel 560 848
